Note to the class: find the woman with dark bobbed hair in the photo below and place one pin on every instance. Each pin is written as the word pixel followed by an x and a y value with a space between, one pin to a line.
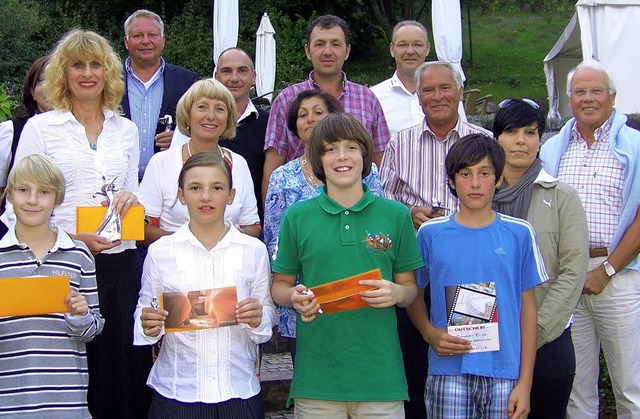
pixel 33 101
pixel 554 210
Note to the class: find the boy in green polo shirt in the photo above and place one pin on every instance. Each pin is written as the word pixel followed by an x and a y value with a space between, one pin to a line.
pixel 349 362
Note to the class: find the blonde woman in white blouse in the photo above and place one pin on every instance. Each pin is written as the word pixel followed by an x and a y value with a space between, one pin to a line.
pixel 90 142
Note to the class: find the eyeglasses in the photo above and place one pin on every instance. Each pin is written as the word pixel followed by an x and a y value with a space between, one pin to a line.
pixel 508 102
pixel 415 45
pixel 593 92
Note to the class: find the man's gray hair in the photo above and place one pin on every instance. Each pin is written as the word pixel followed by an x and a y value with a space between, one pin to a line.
pixel 454 71
pixel 592 65
pixel 143 13
pixel 404 23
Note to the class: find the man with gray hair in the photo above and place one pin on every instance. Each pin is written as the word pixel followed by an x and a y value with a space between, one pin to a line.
pixel 409 47
pixel 413 172
pixel 153 86
pixel 597 154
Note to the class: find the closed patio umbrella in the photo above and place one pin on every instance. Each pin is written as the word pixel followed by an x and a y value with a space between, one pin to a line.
pixel 265 58
pixel 225 26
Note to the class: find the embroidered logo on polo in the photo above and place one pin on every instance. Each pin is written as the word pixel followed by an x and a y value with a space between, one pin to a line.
pixel 378 242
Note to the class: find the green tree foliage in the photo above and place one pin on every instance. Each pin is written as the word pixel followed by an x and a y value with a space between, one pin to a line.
pixel 189 39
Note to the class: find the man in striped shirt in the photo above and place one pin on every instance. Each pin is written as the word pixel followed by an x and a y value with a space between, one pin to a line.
pixel 412 170
pixel 599 156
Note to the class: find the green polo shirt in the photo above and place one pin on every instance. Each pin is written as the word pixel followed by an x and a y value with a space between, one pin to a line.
pixel 353 355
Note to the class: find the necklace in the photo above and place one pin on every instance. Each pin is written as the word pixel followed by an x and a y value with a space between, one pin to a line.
pixel 189 149
pixel 312 180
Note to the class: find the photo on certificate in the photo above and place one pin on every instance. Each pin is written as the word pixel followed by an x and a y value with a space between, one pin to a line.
pixel 472 314
pixel 200 309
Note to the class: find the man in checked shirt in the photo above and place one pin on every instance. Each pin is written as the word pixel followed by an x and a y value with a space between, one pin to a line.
pixel 597 154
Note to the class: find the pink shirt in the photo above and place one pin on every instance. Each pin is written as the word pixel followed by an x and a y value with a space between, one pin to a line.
pixel 356 99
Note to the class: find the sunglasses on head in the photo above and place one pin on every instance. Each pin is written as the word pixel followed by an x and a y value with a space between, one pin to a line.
pixel 508 102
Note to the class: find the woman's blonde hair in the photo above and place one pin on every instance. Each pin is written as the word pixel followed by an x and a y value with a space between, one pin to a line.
pixel 79 44
pixel 211 89
pixel 42 171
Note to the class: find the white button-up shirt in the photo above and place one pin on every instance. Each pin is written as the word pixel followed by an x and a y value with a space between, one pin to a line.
pixel 60 136
pixel 401 107
pixel 211 365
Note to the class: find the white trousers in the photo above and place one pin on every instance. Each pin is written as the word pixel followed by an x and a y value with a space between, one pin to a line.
pixel 611 320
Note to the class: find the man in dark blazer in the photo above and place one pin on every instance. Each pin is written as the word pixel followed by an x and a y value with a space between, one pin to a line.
pixel 153 86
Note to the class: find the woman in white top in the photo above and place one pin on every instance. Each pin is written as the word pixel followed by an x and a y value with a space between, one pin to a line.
pixel 89 142
pixel 210 372
pixel 206 112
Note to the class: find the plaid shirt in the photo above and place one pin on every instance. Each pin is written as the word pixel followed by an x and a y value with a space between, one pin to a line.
pixel 355 98
pixel 598 177
pixel 412 169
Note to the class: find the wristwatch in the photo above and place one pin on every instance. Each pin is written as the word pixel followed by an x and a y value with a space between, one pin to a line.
pixel 608 269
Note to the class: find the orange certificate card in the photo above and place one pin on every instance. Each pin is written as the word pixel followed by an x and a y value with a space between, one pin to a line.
pixel 88 219
pixel 196 310
pixel 343 295
pixel 33 295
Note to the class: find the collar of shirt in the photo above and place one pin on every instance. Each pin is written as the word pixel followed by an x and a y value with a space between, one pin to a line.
pixel 428 133
pixel 60 118
pixel 159 72
pixel 397 84
pixel 332 207
pixel 184 235
pixel 250 109
pixel 63 241
pixel 345 85
pixel 601 133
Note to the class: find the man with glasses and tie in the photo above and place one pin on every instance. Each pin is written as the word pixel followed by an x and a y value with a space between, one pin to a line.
pixel 397 95
pixel 597 154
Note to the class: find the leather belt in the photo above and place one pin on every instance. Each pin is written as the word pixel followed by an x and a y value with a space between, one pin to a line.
pixel 596 252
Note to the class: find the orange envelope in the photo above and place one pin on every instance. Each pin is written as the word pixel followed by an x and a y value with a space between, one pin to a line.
pixel 342 295
pixel 201 309
pixel 33 295
pixel 88 219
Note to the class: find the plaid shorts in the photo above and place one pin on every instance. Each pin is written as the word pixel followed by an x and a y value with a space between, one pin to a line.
pixel 467 396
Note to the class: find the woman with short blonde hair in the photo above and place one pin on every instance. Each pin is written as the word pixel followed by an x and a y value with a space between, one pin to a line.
pixel 206 113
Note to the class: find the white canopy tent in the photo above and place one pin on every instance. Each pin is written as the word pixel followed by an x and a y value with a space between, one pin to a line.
pixel 607 31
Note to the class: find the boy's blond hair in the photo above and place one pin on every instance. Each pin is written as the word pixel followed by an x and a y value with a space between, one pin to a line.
pixel 39 169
